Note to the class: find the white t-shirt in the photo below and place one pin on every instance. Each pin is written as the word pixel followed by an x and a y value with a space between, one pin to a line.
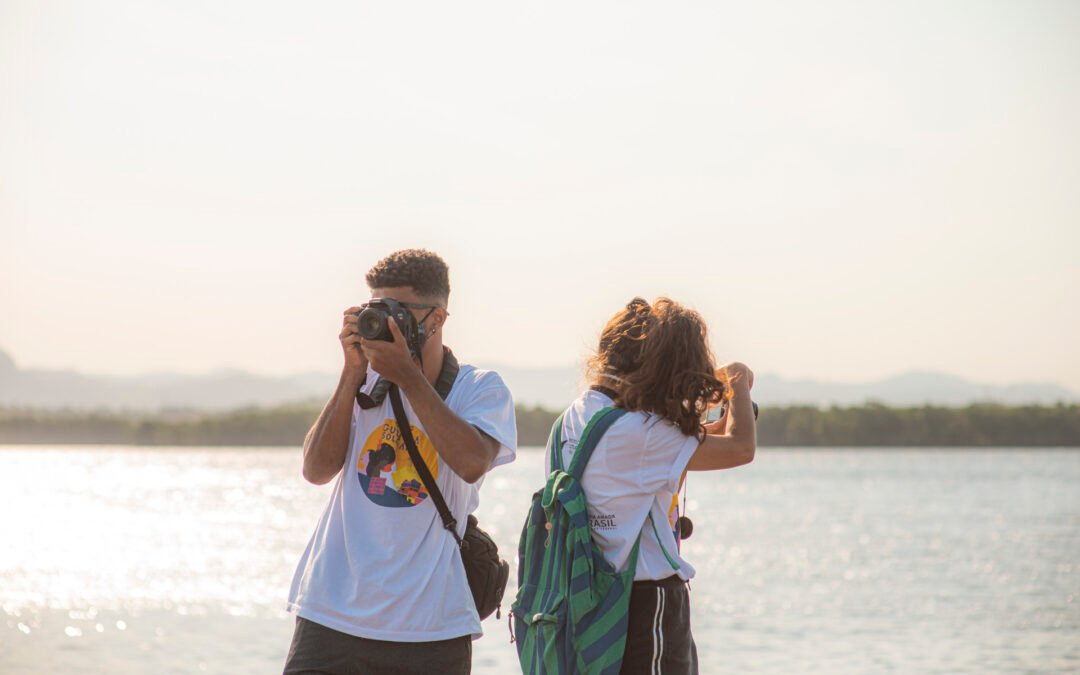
pixel 380 565
pixel 636 469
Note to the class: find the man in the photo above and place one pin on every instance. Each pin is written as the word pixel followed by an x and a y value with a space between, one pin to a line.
pixel 381 587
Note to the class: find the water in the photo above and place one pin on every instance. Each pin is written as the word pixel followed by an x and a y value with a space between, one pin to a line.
pixel 126 560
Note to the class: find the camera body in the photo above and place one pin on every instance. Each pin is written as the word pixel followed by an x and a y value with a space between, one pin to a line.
pixel 717 413
pixel 373 322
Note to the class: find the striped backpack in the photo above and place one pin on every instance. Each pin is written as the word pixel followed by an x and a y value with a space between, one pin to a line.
pixel 571 612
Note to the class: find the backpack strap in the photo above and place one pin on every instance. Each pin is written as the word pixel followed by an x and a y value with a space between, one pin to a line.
pixel 598 424
pixel 555 444
pixel 671 561
pixel 594 430
pixel 590 437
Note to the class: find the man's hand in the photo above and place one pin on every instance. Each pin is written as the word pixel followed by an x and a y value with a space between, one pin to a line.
pixel 392 360
pixel 356 362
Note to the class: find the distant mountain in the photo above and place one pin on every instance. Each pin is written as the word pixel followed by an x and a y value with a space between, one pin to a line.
pixel 219 390
pixel 548 387
pixel 555 387
pixel 909 389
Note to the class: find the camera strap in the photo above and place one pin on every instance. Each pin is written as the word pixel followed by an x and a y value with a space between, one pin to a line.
pixel 447 376
pixel 421 466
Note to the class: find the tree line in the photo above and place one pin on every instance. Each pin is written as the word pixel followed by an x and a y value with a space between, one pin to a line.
pixel 980 425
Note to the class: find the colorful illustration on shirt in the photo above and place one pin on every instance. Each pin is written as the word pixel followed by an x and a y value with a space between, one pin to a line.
pixel 385 470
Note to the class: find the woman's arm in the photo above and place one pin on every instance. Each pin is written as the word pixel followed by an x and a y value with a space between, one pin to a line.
pixel 732 440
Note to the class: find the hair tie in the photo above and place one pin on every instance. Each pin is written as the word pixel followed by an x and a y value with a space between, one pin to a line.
pixel 615 378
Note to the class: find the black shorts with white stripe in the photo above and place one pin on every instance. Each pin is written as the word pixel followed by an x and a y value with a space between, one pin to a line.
pixel 658 639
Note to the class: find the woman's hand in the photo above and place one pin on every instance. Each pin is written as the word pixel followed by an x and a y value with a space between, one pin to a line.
pixel 736 373
pixel 732 440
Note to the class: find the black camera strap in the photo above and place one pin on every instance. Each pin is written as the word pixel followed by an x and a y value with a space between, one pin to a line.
pixel 421 466
pixel 447 375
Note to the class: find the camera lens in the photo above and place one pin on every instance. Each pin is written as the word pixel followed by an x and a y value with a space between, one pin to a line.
pixel 371 323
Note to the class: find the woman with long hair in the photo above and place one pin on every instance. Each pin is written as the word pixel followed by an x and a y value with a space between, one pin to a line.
pixel 654 361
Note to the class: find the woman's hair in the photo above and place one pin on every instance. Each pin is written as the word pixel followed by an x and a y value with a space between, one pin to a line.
pixel 660 355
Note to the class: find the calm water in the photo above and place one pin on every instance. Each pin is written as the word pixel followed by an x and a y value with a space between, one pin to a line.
pixel 124 560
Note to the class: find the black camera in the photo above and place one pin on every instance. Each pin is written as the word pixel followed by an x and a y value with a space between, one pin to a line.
pixel 718 412
pixel 373 322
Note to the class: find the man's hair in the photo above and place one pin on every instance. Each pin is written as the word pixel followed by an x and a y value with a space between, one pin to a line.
pixel 422 270
pixel 661 354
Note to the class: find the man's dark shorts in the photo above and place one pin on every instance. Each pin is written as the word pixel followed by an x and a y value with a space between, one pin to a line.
pixel 316 649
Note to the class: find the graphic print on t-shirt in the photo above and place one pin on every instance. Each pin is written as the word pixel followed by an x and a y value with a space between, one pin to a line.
pixel 386 472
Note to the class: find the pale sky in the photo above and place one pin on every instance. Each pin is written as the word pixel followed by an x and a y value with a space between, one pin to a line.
pixel 845 190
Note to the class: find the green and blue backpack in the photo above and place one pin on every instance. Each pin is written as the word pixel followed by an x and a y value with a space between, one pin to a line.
pixel 572 607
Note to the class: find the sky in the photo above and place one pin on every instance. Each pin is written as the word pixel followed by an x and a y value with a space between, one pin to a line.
pixel 844 190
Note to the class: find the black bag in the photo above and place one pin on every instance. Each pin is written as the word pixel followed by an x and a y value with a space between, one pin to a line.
pixel 486 571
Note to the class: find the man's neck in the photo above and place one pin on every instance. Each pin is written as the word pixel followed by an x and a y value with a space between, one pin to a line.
pixel 433 355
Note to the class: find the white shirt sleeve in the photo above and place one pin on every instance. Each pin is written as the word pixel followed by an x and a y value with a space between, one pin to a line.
pixel 667 452
pixel 490 408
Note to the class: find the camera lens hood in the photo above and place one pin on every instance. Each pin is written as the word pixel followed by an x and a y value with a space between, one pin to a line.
pixel 371 324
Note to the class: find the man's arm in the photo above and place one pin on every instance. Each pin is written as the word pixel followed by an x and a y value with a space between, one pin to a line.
pixel 468 451
pixel 732 440
pixel 464 448
pixel 327 443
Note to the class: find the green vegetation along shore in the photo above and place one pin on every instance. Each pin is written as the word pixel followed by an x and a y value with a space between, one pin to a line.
pixel 981 425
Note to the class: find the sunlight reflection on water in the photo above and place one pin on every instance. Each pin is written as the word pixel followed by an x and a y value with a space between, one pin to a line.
pixel 178 560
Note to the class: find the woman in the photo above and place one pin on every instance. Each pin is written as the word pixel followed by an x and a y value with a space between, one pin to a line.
pixel 654 360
